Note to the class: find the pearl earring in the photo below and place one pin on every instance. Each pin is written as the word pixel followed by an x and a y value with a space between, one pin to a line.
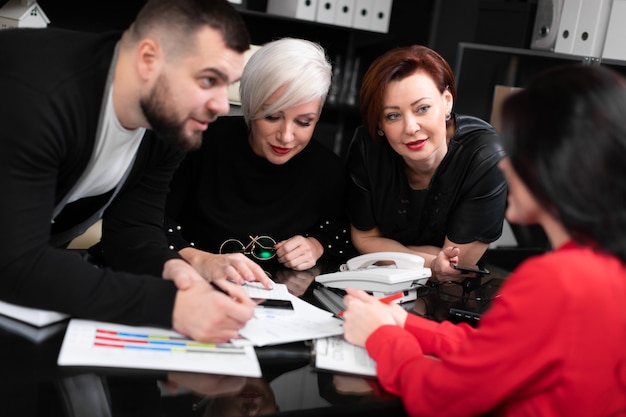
pixel 380 132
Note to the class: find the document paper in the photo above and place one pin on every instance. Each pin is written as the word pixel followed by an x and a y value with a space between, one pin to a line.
pixel 305 322
pixel 335 354
pixel 92 343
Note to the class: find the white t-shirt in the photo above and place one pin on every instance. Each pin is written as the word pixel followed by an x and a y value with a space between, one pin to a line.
pixel 113 152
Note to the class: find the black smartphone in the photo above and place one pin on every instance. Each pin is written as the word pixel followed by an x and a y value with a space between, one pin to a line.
pixel 467 269
pixel 282 304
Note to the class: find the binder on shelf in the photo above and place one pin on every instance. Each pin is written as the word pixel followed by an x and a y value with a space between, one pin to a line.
pixel 363 10
pixel 299 9
pixel 616 32
pixel 344 13
pixel 568 26
pixel 381 14
pixel 591 29
pixel 326 11
pixel 583 27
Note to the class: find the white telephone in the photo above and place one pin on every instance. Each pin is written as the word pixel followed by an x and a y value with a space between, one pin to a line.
pixel 360 272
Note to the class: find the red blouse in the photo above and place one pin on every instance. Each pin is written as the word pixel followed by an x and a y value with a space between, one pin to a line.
pixel 552 343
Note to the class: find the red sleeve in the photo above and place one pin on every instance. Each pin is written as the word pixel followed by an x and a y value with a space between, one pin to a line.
pixel 437 338
pixel 516 345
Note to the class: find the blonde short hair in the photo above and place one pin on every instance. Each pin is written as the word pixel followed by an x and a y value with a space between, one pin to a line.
pixel 300 66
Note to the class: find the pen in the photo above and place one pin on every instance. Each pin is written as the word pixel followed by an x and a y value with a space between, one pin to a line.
pixel 388 299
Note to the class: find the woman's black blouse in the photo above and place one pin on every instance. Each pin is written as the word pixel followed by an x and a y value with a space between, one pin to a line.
pixel 225 191
pixel 465 200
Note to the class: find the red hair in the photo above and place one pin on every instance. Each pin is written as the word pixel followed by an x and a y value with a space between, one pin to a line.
pixel 396 65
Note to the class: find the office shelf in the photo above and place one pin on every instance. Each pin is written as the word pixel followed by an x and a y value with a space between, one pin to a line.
pixel 479 68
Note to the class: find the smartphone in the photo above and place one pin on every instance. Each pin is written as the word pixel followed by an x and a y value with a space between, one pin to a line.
pixel 467 269
pixel 281 304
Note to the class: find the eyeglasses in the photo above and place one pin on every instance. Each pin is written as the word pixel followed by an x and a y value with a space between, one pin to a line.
pixel 260 247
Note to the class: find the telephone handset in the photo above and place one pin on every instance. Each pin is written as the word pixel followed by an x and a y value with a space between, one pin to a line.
pixel 405 272
pixel 400 259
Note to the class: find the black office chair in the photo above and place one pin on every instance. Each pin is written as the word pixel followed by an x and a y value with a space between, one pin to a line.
pixel 531 237
pixel 531 241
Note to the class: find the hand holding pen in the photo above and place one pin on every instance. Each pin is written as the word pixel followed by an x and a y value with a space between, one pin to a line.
pixel 365 313
pixel 385 300
pixel 212 313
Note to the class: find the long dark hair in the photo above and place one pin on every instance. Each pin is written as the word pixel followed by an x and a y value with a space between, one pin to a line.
pixel 565 135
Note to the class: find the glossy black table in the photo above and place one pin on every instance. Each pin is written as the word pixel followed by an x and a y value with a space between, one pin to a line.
pixel 33 385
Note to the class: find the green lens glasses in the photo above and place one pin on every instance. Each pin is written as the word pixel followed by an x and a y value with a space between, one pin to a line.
pixel 260 247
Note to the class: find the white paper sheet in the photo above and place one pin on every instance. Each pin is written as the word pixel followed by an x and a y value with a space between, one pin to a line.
pixel 92 343
pixel 277 292
pixel 335 354
pixel 307 322
pixel 32 316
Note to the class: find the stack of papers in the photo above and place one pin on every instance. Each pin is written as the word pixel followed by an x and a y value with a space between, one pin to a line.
pixel 91 343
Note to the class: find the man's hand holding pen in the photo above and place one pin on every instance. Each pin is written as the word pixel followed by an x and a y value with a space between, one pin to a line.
pixel 212 313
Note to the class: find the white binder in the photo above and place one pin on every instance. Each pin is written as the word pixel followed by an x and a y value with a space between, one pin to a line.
pixel 381 16
pixel 591 29
pixel 583 27
pixel 363 10
pixel 326 11
pixel 568 26
pixel 614 46
pixel 299 9
pixel 344 13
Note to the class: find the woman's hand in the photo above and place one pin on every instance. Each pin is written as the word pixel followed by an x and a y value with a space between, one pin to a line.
pixel 441 267
pixel 234 267
pixel 299 252
pixel 364 314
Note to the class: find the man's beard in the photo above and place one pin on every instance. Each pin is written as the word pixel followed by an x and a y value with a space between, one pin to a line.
pixel 165 126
